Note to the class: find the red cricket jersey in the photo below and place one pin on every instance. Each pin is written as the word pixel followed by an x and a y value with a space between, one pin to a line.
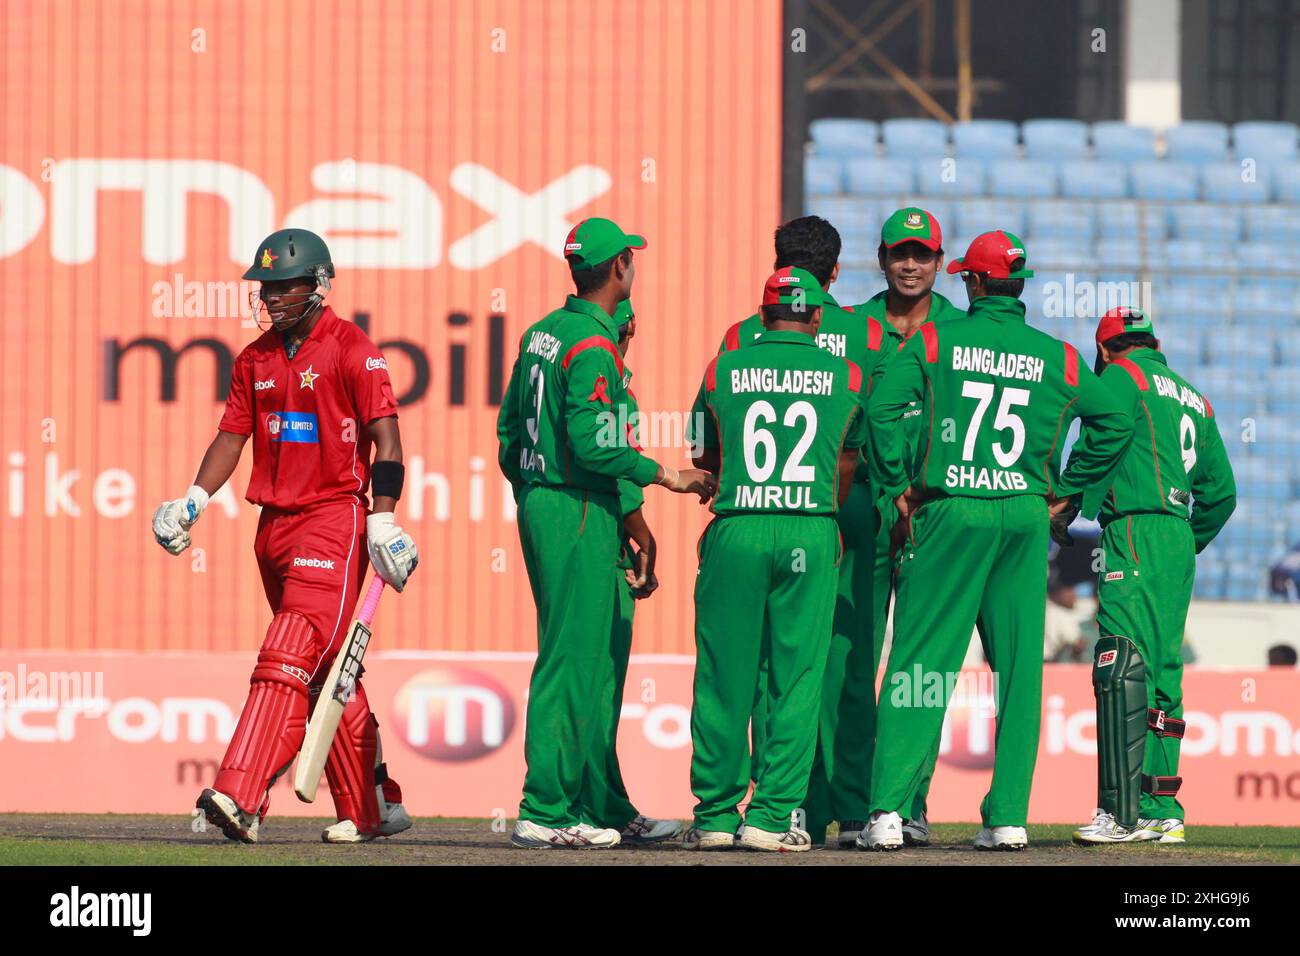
pixel 307 415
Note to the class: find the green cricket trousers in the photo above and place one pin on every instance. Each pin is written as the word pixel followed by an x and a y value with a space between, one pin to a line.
pixel 1144 591
pixel 765 592
pixel 966 559
pixel 570 539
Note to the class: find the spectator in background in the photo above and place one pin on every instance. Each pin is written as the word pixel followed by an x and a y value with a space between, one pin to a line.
pixel 1281 655
pixel 1284 578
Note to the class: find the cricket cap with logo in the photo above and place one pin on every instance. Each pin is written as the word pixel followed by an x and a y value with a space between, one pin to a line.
pixel 595 240
pixel 1121 321
pixel 912 224
pixel 991 254
pixel 792 285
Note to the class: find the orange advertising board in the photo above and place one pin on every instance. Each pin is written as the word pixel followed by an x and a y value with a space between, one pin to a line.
pixel 154 728
pixel 444 150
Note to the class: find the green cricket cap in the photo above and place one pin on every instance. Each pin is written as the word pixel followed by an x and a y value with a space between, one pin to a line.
pixel 792 285
pixel 595 240
pixel 1122 320
pixel 623 313
pixel 991 254
pixel 912 224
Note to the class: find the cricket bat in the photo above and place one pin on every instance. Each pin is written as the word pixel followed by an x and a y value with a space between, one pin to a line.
pixel 337 690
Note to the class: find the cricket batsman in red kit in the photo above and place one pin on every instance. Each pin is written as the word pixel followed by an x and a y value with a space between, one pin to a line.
pixel 313 393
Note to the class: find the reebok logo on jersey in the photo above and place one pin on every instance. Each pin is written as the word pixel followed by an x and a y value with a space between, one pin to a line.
pixel 1107 658
pixel 374 363
pixel 1179 497
pixel 313 563
pixel 263 385
pixel 1114 575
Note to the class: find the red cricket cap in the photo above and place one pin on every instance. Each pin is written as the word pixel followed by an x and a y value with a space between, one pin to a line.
pixel 1120 320
pixel 991 254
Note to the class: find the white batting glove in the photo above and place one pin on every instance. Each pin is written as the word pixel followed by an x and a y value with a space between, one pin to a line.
pixel 173 519
pixel 392 552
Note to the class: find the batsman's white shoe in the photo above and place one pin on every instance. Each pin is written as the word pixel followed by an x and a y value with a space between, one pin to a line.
pixel 643 830
pixel 850 830
pixel 697 839
pixel 1105 829
pixel 884 832
pixel 577 836
pixel 1001 838
pixel 1164 831
pixel 345 831
pixel 222 812
pixel 792 840
pixel 917 832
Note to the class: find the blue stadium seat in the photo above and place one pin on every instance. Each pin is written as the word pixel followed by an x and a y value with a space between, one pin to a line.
pixel 1275 434
pixel 1199 307
pixel 1119 141
pixel 985 139
pixel 1094 179
pixel 844 137
pixel 909 138
pixel 1182 345
pixel 1247 581
pixel 1224 182
pixel 1054 252
pixel 1059 218
pixel 1286 181
pixel 1129 220
pixel 1196 255
pixel 1255 300
pixel 1210 576
pixel 1282 394
pixel 1197 141
pixel 1055 139
pixel 1163 179
pixel 950 177
pixel 1268 257
pixel 1026 178
pixel 1246 349
pixel 879 177
pixel 1264 140
pixel 1273 223
pixel 822 176
pixel 980 215
pixel 1123 253
pixel 843 210
pixel 1200 220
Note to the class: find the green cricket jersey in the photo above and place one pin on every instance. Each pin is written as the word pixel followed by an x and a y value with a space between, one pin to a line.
pixel 997 399
pixel 841 333
pixel 941 310
pixel 1177 464
pixel 559 422
pixel 780 412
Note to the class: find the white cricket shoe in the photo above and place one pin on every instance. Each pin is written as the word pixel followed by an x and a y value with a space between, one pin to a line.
pixel 850 830
pixel 1163 831
pixel 697 839
pixel 884 832
pixel 576 836
pixel 917 832
pixel 1001 838
pixel 345 831
pixel 792 840
pixel 642 830
pixel 1105 829
pixel 222 812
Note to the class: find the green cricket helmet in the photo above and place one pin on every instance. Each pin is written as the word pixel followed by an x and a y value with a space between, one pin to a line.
pixel 291 254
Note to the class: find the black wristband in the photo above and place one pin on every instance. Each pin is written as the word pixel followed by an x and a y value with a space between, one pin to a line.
pixel 386 479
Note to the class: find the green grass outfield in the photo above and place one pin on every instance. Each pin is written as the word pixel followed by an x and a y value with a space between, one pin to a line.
pixel 91 840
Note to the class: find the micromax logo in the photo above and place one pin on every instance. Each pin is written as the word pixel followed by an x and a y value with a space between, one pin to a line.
pixel 454 713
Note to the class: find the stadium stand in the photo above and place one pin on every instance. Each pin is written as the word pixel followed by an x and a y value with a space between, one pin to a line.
pixel 1202 226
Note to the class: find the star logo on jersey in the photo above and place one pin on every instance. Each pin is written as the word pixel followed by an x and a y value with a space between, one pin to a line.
pixel 267 258
pixel 308 378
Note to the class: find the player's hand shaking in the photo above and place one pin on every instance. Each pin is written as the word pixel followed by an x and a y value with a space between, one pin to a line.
pixel 392 552
pixel 172 520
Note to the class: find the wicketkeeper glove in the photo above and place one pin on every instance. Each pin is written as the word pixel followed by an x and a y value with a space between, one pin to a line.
pixel 392 552
pixel 1061 524
pixel 173 519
